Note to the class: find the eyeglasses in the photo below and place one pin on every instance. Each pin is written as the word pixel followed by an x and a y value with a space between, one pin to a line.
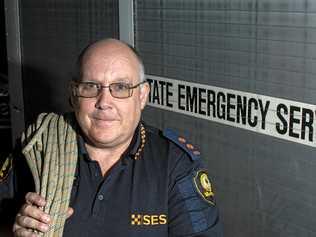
pixel 119 90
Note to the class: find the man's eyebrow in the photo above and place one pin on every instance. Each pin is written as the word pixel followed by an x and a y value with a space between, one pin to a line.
pixel 90 80
pixel 116 80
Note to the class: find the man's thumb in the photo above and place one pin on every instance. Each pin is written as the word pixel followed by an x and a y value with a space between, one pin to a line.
pixel 70 211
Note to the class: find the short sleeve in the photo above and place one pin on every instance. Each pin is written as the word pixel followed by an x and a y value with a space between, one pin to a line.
pixel 192 207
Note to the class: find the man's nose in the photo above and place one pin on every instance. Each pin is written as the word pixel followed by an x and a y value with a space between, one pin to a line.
pixel 104 98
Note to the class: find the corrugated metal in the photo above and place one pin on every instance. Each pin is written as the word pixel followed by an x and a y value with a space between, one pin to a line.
pixel 265 186
pixel 53 32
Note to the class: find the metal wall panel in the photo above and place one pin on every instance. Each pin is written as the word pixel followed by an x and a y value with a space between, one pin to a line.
pixel 53 33
pixel 264 185
pixel 5 128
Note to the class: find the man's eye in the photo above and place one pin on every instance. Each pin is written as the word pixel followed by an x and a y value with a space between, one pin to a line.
pixel 89 86
pixel 120 86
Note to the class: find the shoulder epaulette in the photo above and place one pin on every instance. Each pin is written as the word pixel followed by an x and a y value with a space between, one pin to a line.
pixel 192 151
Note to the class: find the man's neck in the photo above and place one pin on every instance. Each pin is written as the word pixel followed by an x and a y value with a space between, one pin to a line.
pixel 107 157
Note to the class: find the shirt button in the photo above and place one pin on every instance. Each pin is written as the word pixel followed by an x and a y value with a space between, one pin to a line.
pixel 100 197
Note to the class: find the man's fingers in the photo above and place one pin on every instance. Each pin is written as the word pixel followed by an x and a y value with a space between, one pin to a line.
pixel 15 227
pixel 21 232
pixel 18 231
pixel 70 211
pixel 31 223
pixel 34 212
pixel 30 217
pixel 35 199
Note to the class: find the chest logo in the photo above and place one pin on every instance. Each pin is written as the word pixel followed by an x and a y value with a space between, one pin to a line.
pixel 146 220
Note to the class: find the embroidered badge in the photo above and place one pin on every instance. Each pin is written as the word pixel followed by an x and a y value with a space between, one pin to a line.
pixel 5 168
pixel 204 186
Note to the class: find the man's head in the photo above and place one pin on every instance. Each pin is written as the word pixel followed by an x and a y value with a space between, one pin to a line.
pixel 108 118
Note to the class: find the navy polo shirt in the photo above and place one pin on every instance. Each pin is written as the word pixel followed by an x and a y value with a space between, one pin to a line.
pixel 165 192
pixel 153 195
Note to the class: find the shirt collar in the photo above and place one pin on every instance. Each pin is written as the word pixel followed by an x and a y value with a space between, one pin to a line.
pixel 135 143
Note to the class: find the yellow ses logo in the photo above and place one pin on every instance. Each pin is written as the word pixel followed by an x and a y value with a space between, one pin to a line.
pixel 138 219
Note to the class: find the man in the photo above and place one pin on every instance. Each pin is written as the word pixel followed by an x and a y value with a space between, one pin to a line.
pixel 116 176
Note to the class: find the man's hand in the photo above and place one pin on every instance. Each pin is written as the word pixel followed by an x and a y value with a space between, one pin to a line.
pixel 31 217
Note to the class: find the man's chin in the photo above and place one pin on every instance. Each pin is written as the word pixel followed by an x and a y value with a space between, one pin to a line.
pixel 104 143
pixel 104 136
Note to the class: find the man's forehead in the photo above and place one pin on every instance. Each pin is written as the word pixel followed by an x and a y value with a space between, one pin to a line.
pixel 110 70
pixel 110 48
pixel 110 57
pixel 116 65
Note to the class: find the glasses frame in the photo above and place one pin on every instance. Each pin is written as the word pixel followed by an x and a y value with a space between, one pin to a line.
pixel 75 84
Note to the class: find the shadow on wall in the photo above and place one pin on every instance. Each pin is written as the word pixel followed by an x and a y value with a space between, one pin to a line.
pixel 44 92
pixel 5 126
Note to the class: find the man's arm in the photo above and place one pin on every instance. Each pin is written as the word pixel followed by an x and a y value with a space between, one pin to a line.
pixel 192 207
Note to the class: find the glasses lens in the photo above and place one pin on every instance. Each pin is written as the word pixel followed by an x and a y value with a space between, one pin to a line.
pixel 87 89
pixel 120 90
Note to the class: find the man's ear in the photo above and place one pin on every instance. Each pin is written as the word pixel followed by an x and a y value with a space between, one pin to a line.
pixel 73 100
pixel 144 92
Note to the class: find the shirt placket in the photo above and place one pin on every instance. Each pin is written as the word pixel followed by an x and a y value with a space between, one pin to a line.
pixel 103 193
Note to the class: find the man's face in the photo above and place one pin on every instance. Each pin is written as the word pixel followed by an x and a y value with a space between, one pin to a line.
pixel 106 121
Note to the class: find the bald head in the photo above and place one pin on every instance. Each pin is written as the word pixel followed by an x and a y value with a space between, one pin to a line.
pixel 106 47
pixel 107 119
